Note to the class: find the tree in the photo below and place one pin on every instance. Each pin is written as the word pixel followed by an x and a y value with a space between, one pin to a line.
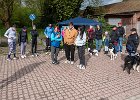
pixel 57 10
pixel 6 9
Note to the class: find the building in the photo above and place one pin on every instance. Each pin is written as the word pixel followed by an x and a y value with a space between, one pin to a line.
pixel 127 12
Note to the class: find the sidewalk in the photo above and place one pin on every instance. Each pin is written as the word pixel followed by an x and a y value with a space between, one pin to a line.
pixel 35 78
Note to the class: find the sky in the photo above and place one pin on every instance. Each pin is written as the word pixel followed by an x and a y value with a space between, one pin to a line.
pixel 105 2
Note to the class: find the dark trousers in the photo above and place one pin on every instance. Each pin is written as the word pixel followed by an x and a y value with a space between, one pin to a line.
pixel 69 52
pixel 48 44
pixel 34 46
pixel 90 45
pixel 54 53
pixel 81 54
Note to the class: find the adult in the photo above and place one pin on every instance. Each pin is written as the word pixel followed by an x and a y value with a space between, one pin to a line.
pixel 80 43
pixel 11 35
pixel 48 31
pixel 63 32
pixel 69 38
pixel 34 35
pixel 23 40
pixel 132 42
pixel 121 33
pixel 56 38
pixel 98 38
pixel 91 38
pixel 114 39
pixel 106 41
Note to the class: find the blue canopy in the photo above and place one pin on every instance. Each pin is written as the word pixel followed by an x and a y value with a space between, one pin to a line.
pixel 80 21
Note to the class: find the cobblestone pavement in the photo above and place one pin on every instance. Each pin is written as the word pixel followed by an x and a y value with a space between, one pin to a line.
pixel 35 78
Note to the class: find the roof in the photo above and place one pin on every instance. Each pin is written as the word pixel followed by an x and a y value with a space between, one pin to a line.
pixel 80 21
pixel 123 7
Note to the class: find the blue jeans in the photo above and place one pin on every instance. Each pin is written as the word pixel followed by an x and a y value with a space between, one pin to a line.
pixel 106 41
pixel 98 44
pixel 116 49
pixel 120 44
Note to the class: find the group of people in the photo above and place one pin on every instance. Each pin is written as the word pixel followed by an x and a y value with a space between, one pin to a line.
pixel 72 38
pixel 22 41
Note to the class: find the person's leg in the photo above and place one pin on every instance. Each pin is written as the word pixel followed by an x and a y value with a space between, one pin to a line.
pixel 67 51
pixel 35 51
pixel 10 44
pixel 79 54
pixel 121 41
pixel 21 48
pixel 100 45
pixel 47 44
pixel 97 45
pixel 24 50
pixel 53 53
pixel 72 51
pixel 56 54
pixel 32 48
pixel 14 49
pixel 83 55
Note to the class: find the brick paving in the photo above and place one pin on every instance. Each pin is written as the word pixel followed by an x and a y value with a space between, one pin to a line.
pixel 35 78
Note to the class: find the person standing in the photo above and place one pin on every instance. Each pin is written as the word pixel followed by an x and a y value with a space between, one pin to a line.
pixel 23 40
pixel 114 40
pixel 63 32
pixel 34 34
pixel 80 43
pixel 11 35
pixel 121 33
pixel 106 42
pixel 69 38
pixel 91 38
pixel 48 31
pixel 98 38
pixel 56 39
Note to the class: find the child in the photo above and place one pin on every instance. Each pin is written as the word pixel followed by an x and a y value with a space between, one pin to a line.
pixel 106 41
pixel 80 43
pixel 23 40
pixel 56 38
pixel 34 35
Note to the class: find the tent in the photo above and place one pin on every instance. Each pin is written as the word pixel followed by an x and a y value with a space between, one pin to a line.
pixel 80 21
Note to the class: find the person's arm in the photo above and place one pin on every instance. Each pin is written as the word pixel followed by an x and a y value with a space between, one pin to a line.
pixel 84 37
pixel 7 33
pixel 27 37
pixel 52 37
pixel 59 39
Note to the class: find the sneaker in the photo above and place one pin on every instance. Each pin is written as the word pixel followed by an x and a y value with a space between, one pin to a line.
pixel 96 54
pixel 72 62
pixel 91 54
pixel 36 55
pixel 33 55
pixel 15 58
pixel 53 62
pixel 22 56
pixel 47 53
pixel 9 59
pixel 67 61
pixel 83 67
pixel 56 62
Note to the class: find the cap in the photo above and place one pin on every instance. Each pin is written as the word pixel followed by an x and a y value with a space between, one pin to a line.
pixel 133 29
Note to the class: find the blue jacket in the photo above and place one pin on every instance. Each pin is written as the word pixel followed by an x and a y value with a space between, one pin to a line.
pixel 48 31
pixel 55 41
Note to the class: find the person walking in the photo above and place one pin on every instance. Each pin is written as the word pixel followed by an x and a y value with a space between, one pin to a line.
pixel 80 43
pixel 121 34
pixel 98 38
pixel 48 31
pixel 56 39
pixel 91 38
pixel 10 34
pixel 69 38
pixel 34 34
pixel 23 40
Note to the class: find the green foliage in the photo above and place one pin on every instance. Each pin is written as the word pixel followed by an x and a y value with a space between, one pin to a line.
pixel 105 25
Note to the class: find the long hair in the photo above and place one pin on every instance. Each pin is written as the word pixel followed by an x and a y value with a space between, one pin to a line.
pixel 82 30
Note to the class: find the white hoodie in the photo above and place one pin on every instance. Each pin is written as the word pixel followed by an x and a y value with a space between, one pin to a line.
pixel 10 34
pixel 79 41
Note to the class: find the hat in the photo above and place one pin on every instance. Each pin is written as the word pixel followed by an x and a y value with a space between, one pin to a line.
pixel 133 29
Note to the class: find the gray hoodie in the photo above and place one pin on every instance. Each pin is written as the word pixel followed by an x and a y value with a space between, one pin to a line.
pixel 10 34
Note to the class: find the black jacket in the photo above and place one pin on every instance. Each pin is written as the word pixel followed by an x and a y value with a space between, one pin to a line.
pixel 133 42
pixel 98 34
pixel 114 37
pixel 34 34
pixel 22 37
pixel 120 31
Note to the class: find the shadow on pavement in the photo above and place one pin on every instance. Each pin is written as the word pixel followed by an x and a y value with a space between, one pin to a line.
pixel 20 73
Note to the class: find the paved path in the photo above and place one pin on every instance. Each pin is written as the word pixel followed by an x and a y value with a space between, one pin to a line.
pixel 35 78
